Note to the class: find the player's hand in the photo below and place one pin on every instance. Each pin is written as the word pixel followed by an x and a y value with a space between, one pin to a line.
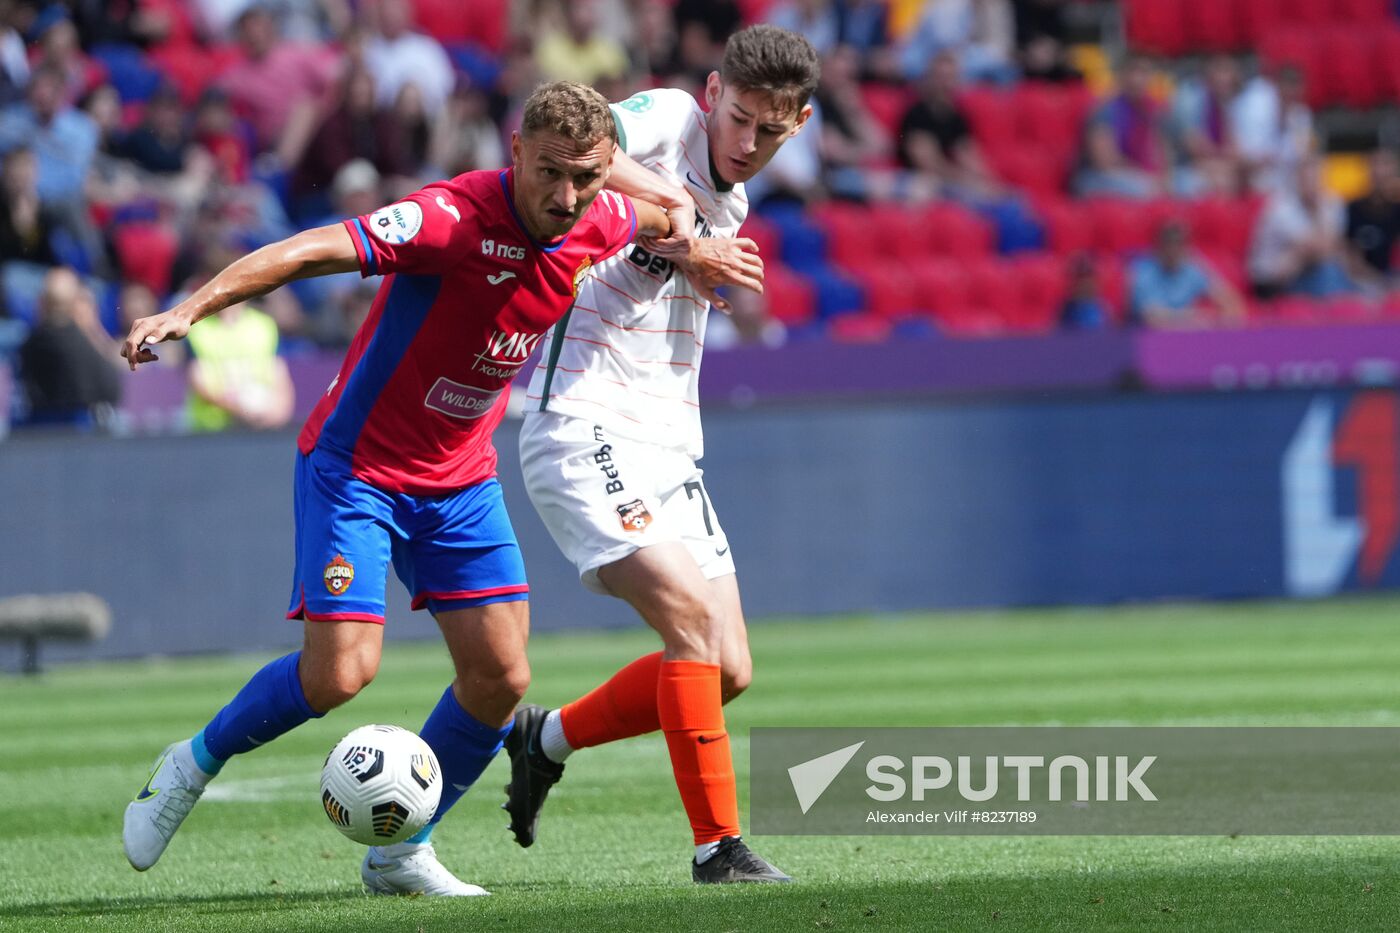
pixel 151 330
pixel 710 263
pixel 682 217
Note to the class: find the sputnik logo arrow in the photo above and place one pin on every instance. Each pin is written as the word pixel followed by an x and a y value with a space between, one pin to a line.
pixel 811 778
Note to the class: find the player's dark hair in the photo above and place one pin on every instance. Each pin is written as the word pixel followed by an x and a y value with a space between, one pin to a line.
pixel 574 111
pixel 773 60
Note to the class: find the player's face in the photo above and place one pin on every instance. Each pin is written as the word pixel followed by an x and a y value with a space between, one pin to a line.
pixel 746 129
pixel 555 181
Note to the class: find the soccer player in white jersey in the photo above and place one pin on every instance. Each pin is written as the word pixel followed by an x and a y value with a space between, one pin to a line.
pixel 612 436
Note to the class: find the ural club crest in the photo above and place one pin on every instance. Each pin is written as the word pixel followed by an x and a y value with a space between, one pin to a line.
pixel 634 515
pixel 340 573
pixel 581 271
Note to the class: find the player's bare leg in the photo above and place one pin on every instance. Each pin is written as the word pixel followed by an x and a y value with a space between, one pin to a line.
pixel 336 661
pixel 487 644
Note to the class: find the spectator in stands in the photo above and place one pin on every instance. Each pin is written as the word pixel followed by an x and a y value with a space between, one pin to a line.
pixel 1084 307
pixel 1125 152
pixel 1043 59
pixel 354 129
pixel 1298 245
pixel 58 48
pixel 580 51
pixel 1273 128
pixel 465 137
pixel 1172 288
pixel 14 60
pixel 67 363
pixel 216 131
pixel 1040 41
pixel 104 107
pixel 816 19
pixel 655 53
pixel 64 141
pixel 981 32
pixel 396 56
pixel 415 129
pixel 1373 225
pixel 863 25
pixel 26 226
pixel 854 146
pixel 161 144
pixel 1204 133
pixel 935 137
pixel 702 28
pixel 236 377
pixel 278 86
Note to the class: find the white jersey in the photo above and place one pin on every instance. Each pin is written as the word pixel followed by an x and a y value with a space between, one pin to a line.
pixel 627 355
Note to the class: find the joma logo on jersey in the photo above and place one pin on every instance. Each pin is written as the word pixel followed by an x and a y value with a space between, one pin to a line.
pixel 502 250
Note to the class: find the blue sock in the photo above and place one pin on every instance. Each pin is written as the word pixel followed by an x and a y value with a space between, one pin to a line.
pixel 463 746
pixel 271 703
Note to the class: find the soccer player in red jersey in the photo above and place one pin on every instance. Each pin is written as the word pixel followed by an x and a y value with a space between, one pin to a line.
pixel 396 461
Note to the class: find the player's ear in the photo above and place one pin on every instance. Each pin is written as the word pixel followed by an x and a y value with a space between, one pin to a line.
pixel 713 88
pixel 516 150
pixel 802 117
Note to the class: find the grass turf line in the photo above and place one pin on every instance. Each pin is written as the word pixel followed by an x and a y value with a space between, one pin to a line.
pixel 259 855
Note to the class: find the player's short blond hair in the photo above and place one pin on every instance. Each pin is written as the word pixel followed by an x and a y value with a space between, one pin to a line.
pixel 574 111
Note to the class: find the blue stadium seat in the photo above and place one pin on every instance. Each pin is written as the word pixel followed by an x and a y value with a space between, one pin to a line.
pixel 135 78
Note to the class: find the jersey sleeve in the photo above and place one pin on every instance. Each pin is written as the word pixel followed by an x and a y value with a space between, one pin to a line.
pixel 423 234
pixel 616 219
pixel 650 123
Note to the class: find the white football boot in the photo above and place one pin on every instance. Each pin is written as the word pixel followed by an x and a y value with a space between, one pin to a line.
pixel 158 809
pixel 412 868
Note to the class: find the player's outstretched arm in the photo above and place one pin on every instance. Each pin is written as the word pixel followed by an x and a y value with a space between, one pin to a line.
pixel 322 251
pixel 635 180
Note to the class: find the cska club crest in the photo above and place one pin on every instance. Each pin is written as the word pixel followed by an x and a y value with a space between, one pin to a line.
pixel 581 271
pixel 340 573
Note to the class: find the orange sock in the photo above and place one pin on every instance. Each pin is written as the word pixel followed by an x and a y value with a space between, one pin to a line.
pixel 620 708
pixel 692 717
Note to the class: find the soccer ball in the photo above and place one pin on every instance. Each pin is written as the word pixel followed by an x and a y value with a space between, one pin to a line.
pixel 380 785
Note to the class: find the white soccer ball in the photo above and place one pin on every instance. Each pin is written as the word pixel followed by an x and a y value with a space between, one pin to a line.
pixel 380 785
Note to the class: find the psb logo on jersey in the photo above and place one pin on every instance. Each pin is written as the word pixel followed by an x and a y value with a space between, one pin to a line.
pixel 339 574
pixel 502 250
pixel 634 515
pixel 638 103
pixel 582 271
pixel 397 223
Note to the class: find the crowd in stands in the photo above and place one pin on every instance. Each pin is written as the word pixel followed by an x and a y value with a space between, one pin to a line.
pixel 973 166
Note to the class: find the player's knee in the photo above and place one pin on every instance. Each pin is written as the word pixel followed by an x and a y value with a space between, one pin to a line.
pixel 735 676
pixel 337 686
pixel 507 686
pixel 694 627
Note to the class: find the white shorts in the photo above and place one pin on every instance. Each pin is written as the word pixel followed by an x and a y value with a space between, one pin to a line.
pixel 603 497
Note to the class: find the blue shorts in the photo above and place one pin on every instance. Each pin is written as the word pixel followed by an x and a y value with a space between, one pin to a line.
pixel 452 551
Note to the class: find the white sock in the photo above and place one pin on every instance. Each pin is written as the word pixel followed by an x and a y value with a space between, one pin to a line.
pixel 398 849
pixel 704 850
pixel 552 742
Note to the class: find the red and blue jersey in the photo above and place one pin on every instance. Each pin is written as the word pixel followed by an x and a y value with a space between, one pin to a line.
pixel 466 297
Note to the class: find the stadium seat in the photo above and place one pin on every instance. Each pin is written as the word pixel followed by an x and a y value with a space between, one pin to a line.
pixel 993 121
pixel 193 68
pixel 1154 26
pixel 836 293
pixel 859 328
pixel 852 240
pixel 1348 68
pixel 1038 173
pixel 1214 25
pixel 1223 225
pixel 787 297
pixel 994 288
pixel 940 288
pixel 1299 48
pixel 1306 12
pixel 1044 283
pixel 1051 117
pixel 1120 226
pixel 897 232
pixel 1388 61
pixel 1068 226
pixel 953 230
pixel 887 103
pixel 765 235
pixel 1257 18
pixel 129 71
pixel 889 290
pixel 146 253
pixel 1370 13
pixel 455 21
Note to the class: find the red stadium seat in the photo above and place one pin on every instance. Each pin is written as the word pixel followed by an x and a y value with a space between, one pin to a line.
pixel 1362 12
pixel 1068 226
pixel 1223 225
pixel 1051 117
pixel 849 235
pixel 450 21
pixel 146 253
pixel 1120 226
pixel 858 328
pixel 1258 18
pixel 887 103
pixel 1214 25
pixel 1039 173
pixel 994 286
pixel 787 296
pixel 955 231
pixel 940 288
pixel 193 68
pixel 889 289
pixel 1154 26
pixel 1044 284
pixel 1388 61
pixel 993 121
pixel 1299 48
pixel 1348 66
pixel 1113 286
pixel 766 235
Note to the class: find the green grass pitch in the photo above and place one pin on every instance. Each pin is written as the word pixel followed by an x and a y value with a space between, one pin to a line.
pixel 257 853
